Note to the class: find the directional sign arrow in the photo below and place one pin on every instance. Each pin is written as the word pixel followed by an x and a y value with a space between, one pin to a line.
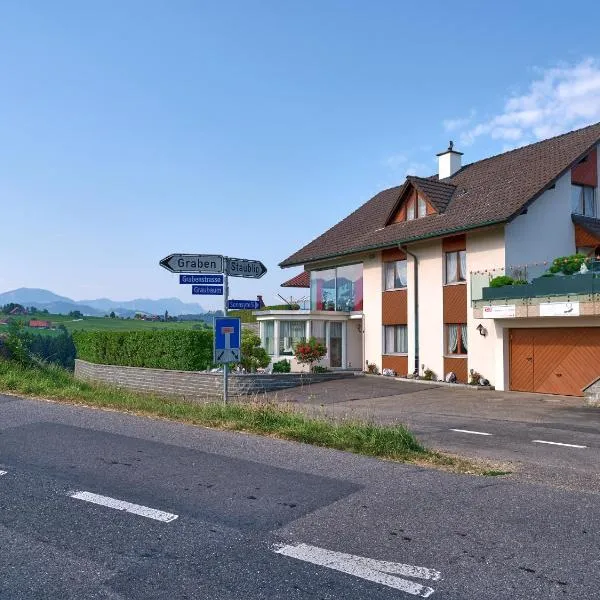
pixel 193 263
pixel 243 267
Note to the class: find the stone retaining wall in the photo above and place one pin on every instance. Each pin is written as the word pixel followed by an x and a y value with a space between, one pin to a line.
pixel 192 384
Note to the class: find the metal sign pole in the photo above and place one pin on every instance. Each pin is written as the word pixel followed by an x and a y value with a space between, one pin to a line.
pixel 225 302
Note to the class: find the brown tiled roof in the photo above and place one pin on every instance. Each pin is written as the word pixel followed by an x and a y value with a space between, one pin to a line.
pixel 438 192
pixel 302 280
pixel 589 224
pixel 490 191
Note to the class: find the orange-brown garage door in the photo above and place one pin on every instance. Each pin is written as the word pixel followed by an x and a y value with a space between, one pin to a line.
pixel 554 361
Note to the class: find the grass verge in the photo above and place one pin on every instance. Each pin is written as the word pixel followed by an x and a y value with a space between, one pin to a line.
pixel 389 442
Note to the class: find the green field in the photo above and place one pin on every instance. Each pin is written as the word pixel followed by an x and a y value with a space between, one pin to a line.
pixel 103 324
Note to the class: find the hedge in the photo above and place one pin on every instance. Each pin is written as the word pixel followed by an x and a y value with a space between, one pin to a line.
pixel 183 350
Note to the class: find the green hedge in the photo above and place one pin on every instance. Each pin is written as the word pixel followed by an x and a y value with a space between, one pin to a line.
pixel 184 350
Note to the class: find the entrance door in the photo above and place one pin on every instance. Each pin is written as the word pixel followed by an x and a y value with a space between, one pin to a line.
pixel 521 360
pixel 335 344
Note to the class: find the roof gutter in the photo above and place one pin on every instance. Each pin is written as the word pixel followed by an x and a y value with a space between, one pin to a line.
pixel 405 249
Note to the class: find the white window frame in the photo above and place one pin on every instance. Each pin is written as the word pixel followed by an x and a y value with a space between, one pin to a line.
pixel 395 353
pixel 393 265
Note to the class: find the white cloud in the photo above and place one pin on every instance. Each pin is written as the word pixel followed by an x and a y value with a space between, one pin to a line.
pixel 395 161
pixel 562 98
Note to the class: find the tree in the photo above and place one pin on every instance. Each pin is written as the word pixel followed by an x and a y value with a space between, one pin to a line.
pixel 76 314
pixel 112 314
pixel 253 355
pixel 310 352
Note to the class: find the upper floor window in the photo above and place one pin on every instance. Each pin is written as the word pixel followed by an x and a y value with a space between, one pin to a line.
pixel 583 200
pixel 416 208
pixel 422 206
pixel 394 274
pixel 410 210
pixel 339 288
pixel 456 266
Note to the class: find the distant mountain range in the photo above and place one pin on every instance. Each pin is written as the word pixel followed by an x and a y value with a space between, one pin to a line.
pixel 61 305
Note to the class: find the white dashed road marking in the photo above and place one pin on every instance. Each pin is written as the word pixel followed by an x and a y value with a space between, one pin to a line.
pixel 468 431
pixel 377 571
pixel 558 444
pixel 136 509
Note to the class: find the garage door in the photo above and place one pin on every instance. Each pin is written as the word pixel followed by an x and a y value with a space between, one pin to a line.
pixel 554 361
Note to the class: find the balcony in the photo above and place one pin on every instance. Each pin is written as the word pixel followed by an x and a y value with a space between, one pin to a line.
pixel 529 286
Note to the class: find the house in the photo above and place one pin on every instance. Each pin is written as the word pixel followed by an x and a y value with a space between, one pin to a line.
pixel 403 282
pixel 35 324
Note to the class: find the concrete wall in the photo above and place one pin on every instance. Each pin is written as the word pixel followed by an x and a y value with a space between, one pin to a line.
pixel 431 308
pixel 546 231
pixel 485 250
pixel 372 289
pixel 193 385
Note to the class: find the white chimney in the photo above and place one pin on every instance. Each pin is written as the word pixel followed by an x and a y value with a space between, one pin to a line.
pixel 449 161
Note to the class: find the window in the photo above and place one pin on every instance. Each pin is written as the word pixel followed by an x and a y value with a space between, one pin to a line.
pixel 268 336
pixel 317 330
pixel 410 210
pixel 394 275
pixel 583 200
pixel 395 339
pixel 290 333
pixel 456 339
pixel 422 207
pixel 456 266
pixel 340 288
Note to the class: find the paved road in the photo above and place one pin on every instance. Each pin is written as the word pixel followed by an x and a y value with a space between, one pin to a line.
pixel 219 515
pixel 551 439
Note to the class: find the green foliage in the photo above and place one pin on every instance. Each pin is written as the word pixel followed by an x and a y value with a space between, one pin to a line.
pixel 184 350
pixel 429 375
pixel 501 281
pixel 520 282
pixel 253 355
pixel 17 342
pixel 8 308
pixel 319 369
pixel 76 314
pixel 58 349
pixel 310 352
pixel 568 265
pixel 282 366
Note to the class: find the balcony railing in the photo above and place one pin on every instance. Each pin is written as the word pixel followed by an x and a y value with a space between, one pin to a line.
pixel 534 283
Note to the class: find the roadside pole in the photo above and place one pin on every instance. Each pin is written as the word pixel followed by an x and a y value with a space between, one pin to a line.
pixel 225 302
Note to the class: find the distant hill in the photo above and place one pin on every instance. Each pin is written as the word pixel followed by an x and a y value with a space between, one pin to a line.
pixel 44 299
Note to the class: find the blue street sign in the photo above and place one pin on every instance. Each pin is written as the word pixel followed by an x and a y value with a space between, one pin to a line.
pixel 207 290
pixel 243 304
pixel 227 339
pixel 202 279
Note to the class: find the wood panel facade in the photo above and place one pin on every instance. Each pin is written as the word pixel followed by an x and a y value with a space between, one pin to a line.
pixel 586 172
pixel 458 365
pixel 396 362
pixel 394 307
pixel 455 303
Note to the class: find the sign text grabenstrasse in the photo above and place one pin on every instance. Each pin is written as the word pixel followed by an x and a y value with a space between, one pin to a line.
pixel 242 267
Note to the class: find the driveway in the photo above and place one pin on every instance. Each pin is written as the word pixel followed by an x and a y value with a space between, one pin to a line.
pixel 546 438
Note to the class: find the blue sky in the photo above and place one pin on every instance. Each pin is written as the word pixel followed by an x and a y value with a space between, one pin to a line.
pixel 133 129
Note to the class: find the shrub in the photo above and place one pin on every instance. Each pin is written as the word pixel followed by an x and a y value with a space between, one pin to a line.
pixel 310 352
pixel 429 375
pixel 372 368
pixel 501 281
pixel 282 366
pixel 319 369
pixel 184 350
pixel 567 265
pixel 253 356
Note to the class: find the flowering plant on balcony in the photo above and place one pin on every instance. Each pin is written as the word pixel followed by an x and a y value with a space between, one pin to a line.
pixel 568 265
pixel 309 352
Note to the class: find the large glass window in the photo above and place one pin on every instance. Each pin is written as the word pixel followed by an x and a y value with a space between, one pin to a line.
pixel 583 200
pixel 335 344
pixel 456 266
pixel 322 289
pixel 337 289
pixel 394 274
pixel 422 206
pixel 410 210
pixel 349 288
pixel 395 339
pixel 456 339
pixel 268 336
pixel 290 333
